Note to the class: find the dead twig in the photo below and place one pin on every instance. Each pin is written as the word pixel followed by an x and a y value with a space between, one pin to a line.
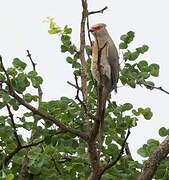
pixel 99 11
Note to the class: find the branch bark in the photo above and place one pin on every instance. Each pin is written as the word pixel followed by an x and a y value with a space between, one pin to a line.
pixel 84 65
pixel 154 160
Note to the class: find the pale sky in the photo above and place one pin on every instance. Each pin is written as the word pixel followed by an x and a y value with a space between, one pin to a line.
pixel 22 28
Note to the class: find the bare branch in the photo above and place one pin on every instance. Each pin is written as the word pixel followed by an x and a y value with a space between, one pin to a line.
pixel 100 11
pixel 78 88
pixel 30 57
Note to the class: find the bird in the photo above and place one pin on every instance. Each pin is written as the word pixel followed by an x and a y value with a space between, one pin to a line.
pixel 109 58
pixel 104 56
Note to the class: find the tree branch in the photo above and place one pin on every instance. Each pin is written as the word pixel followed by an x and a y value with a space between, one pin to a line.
pixel 154 160
pixel 15 151
pixel 99 11
pixel 112 163
pixel 13 126
pixel 84 66
pixel 153 87
pixel 26 158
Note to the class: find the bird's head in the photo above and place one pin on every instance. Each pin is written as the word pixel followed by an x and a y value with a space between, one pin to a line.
pixel 98 29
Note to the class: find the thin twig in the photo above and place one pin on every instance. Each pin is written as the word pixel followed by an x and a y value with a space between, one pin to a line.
pixel 32 144
pixel 89 32
pixel 57 169
pixel 74 85
pixel 15 151
pixel 99 11
pixel 30 57
pixel 112 163
pixel 153 87
pixel 82 103
pixel 13 125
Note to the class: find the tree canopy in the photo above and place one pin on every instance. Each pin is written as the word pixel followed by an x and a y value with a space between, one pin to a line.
pixel 64 141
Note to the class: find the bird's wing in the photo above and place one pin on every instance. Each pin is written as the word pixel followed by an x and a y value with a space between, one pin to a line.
pixel 113 60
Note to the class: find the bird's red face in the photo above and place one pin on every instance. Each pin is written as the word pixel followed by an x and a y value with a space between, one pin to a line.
pixel 95 28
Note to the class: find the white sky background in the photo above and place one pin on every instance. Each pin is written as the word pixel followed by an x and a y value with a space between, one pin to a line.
pixel 21 28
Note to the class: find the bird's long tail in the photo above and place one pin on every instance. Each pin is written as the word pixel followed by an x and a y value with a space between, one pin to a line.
pixel 101 128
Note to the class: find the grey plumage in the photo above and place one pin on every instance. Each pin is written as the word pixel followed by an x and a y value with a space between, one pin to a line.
pixel 109 57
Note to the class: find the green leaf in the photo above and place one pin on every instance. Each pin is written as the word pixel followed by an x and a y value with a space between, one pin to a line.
pixel 127 38
pixel 127 107
pixel 55 30
pixel 37 81
pixel 150 83
pixel 131 34
pixel 134 121
pixel 136 113
pixel 132 83
pixel 32 74
pixel 69 60
pixel 147 113
pixel 163 131
pixel 108 140
pixel 143 152
pixel 127 55
pixel 64 48
pixel 48 139
pixel 142 49
pixel 154 70
pixel 123 80
pixel 123 45
pixel 2 105
pixel 6 98
pixel 145 48
pixel 18 64
pixel 145 75
pixel 124 37
pixel 54 140
pixel 12 71
pixel 9 177
pixel 153 142
pixel 28 97
pixel 143 66
pixel 2 77
pixel 67 30
pixel 20 83
pixel 133 56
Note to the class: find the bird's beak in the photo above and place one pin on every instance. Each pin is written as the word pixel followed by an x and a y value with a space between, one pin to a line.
pixel 91 30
